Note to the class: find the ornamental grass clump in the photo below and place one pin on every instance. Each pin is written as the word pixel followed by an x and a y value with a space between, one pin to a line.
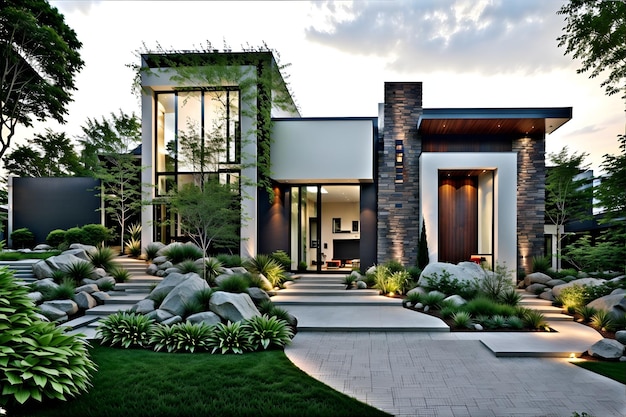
pixel 264 264
pixel 65 291
pixel 462 319
pixel 432 300
pixel 534 320
pixel 213 267
pixel 151 251
pixel 126 330
pixel 102 257
pixel 119 273
pixel 38 361
pixel 236 283
pixel 267 332
pixel 181 252
pixel 602 320
pixel 78 270
pixel 496 283
pixel 586 313
pixel 188 266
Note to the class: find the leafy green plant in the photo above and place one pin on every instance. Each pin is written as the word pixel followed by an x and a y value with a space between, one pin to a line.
pixel 481 305
pixel 510 297
pixel 22 238
pixel 106 286
pixel 126 330
pixel 541 264
pixel 236 283
pixel 264 264
pixel 394 266
pixel 133 247
pixel 55 238
pixel 65 291
pixel 495 283
pixel 120 274
pixel 432 299
pixel 268 331
pixel 75 235
pixel 534 319
pixel 462 319
pixel 349 281
pixel 265 306
pixel 37 360
pixel 619 323
pixel 602 320
pixel 212 268
pixel 381 279
pixel 448 311
pixel 151 251
pixel 178 253
pixel 586 313
pixel 414 272
pixel 58 275
pixel 282 258
pixel 188 266
pixel 102 257
pixel 413 298
pixel 192 337
pixel 78 270
pixel 163 337
pixel 192 306
pixel 229 338
pixel 229 261
pixel 302 266
pixel 134 231
pixel 95 234
pixel 446 284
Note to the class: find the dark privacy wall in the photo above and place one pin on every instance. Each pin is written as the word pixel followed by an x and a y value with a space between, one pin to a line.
pixel 45 204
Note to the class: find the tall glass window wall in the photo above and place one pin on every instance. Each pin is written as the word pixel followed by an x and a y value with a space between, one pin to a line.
pixel 197 137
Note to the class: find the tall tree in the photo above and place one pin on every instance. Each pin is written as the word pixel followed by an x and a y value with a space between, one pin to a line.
pixel 40 58
pixel 594 32
pixel 568 196
pixel 48 155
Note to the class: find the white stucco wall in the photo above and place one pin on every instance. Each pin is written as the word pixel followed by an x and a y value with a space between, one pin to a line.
pixel 323 151
pixel 504 165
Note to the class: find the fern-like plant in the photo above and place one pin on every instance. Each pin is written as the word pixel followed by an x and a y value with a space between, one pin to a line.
pixel 126 330
pixel 229 338
pixel 266 332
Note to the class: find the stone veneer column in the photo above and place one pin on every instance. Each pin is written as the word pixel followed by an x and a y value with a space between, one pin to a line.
pixel 398 202
pixel 531 192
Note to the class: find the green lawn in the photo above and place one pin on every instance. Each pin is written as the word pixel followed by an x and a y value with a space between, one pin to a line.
pixel 142 383
pixel 613 370
pixel 19 256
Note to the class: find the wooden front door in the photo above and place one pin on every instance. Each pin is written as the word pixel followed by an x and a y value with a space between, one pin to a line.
pixel 458 217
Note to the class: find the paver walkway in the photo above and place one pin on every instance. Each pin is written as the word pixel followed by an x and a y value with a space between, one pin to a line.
pixel 438 373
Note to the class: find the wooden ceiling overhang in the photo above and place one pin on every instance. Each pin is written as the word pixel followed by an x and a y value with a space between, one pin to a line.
pixel 496 121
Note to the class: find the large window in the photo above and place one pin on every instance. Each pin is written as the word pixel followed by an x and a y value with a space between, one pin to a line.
pixel 197 137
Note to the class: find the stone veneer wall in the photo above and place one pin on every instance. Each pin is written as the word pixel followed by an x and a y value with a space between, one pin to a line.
pixel 531 188
pixel 398 203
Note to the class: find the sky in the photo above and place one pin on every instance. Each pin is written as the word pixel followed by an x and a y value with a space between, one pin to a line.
pixel 468 53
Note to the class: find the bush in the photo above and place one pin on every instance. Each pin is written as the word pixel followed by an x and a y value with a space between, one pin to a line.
pixel 229 261
pixel 22 238
pixel 75 235
pixel 178 253
pixel 188 266
pixel 495 283
pixel 151 251
pixel 394 266
pixel 133 247
pixel 229 338
pixel 237 283
pixel 78 270
pixel 119 273
pixel 266 332
pixel 462 319
pixel 37 360
pixel 602 320
pixel 95 234
pixel 212 268
pixel 264 264
pixel 282 258
pixel 126 330
pixel 55 238
pixel 446 284
pixel 541 264
pixel 102 257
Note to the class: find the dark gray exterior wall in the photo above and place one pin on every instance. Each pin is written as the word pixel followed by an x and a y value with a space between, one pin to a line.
pixel 398 203
pixel 273 218
pixel 46 204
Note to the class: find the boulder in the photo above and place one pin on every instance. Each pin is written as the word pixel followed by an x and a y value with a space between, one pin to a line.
pixel 105 281
pixel 144 306
pixel 152 269
pixel 172 320
pixel 554 282
pixel 556 290
pixel 221 278
pixel 357 275
pixel 417 290
pixel 52 313
pixel 536 288
pixel 77 252
pixel 618 291
pixel 233 307
pixel 159 315
pixel 159 260
pixel 168 284
pixel 465 272
pixel 68 307
pixel 239 270
pixel 88 288
pixel 536 277
pixel 257 295
pixel 176 300
pixel 84 248
pixel 172 270
pixel 620 336
pixel 36 296
pixel 547 295
pixel 45 284
pixel 608 349
pixel 42 247
pixel 85 301
pixel 100 297
pixel 42 270
pixel 456 300
pixel 265 283
pixel 63 261
pixel 361 285
pixel 206 317
pixel 614 304
pixel 98 273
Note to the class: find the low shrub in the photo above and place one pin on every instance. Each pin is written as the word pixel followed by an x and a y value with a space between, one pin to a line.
pixel 120 274
pixel 95 235
pixel 78 270
pixel 22 238
pixel 481 305
pixel 448 285
pixel 229 338
pixel 268 331
pixel 282 258
pixel 414 273
pixel 126 330
pixel 462 319
pixel 264 264
pixel 75 235
pixel 102 257
pixel 602 320
pixel 178 253
pixel 188 266
pixel 394 266
pixel 55 238
pixel 190 337
pixel 236 283
pixel 151 251
pixel 163 337
pixel 133 247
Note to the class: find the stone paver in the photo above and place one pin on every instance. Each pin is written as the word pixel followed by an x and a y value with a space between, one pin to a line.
pixel 436 374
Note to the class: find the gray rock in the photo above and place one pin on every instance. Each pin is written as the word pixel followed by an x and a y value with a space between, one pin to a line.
pixel 104 281
pixel 361 285
pixel 176 300
pixel 547 295
pixel 614 304
pixel 233 307
pixel 152 269
pixel 64 260
pixel 556 290
pixel 77 252
pixel 166 265
pixel 265 283
pixel 221 278
pixel 159 260
pixel 456 300
pixel 417 290
pixel 239 270
pixel 144 306
pixel 536 288
pixel 45 284
pixel 52 313
pixel 85 301
pixel 620 336
pixel 88 288
pixel 478 327
pixel 168 284
pixel 85 248
pixel 42 247
pixel 100 297
pixel 435 292
pixel 257 295
pixel 207 317
pixel 419 306
pixel 68 307
pixel 98 273
pixel 42 270
pixel 465 272
pixel 357 275
pixel 618 291
pixel 172 270
pixel 555 282
pixel 607 349
pixel 160 273
pixel 622 359
pixel 536 278
pixel 36 296
pixel 172 320
pixel 288 284
pixel 159 315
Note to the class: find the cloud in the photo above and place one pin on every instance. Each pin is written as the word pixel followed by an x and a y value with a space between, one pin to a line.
pixel 496 36
pixel 70 6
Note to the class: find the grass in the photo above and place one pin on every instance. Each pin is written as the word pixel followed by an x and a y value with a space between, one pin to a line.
pixel 18 256
pixel 184 385
pixel 614 370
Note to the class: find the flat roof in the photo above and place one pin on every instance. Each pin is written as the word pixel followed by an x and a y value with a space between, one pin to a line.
pixel 529 120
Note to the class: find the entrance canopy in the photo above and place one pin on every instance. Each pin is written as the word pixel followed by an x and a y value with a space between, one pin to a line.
pixel 524 121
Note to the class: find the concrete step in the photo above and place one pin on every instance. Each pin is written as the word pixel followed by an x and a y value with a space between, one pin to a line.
pixel 291 291
pixel 107 309
pixel 313 286
pixel 557 317
pixel 81 321
pixel 134 286
pixel 126 299
pixel 337 300
pixel 89 333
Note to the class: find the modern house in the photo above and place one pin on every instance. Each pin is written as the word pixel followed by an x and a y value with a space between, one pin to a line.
pixel 346 191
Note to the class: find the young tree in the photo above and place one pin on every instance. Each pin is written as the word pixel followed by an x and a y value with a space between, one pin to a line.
pixel 40 59
pixel 594 32
pixel 422 248
pixel 567 195
pixel 49 155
